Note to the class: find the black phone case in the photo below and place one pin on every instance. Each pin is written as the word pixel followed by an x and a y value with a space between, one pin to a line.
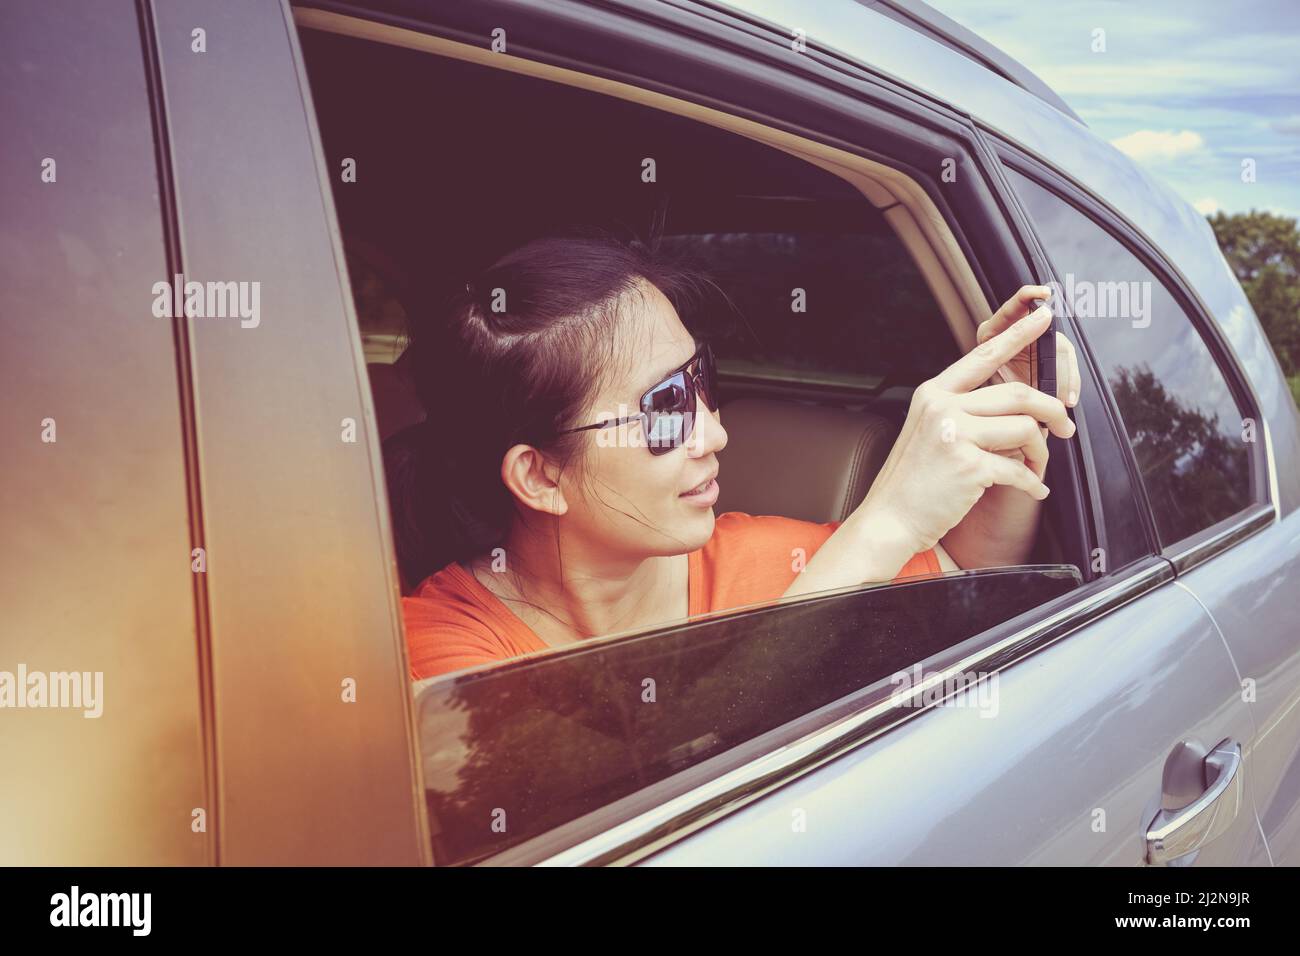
pixel 1043 357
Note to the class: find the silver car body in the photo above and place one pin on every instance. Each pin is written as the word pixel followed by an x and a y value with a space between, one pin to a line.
pixel 1070 771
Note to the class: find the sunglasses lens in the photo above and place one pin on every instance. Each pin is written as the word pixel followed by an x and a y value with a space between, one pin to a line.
pixel 668 397
pixel 664 431
pixel 667 414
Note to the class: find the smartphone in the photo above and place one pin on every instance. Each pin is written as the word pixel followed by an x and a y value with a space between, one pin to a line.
pixel 1042 359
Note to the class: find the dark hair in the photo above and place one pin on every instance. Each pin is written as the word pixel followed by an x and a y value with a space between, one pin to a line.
pixel 515 357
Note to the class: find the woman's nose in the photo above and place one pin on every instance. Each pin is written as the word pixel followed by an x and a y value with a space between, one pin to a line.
pixel 708 435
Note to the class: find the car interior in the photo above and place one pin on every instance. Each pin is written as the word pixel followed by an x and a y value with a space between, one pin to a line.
pixel 841 286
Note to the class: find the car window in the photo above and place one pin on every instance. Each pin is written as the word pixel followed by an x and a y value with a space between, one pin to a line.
pixel 512 752
pixel 816 286
pixel 1125 533
pixel 1180 416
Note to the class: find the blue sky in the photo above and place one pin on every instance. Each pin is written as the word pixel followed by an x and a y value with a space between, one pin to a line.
pixel 1187 88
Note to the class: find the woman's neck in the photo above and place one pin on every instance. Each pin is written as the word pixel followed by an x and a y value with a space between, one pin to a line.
pixel 566 594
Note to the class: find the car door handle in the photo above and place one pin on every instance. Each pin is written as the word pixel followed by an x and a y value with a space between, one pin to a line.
pixel 1175 833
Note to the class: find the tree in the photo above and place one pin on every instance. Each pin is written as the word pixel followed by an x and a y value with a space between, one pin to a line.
pixel 1264 253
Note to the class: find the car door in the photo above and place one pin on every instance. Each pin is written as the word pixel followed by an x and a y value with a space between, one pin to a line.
pixel 1107 711
pixel 605 751
pixel 1096 731
pixel 1250 589
pixel 306 694
pixel 96 527
pixel 1210 476
pixel 195 536
pixel 1127 716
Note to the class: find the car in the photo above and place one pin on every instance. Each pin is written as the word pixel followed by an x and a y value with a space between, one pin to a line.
pixel 221 221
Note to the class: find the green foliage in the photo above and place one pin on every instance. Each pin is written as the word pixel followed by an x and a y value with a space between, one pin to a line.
pixel 1194 467
pixel 1264 253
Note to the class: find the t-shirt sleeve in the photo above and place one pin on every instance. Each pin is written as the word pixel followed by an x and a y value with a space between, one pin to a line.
pixel 922 564
pixel 438 643
pixel 752 557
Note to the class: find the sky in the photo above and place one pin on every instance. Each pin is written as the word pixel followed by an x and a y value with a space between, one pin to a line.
pixel 1188 88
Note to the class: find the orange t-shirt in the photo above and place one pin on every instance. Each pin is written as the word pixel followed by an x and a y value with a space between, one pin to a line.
pixel 454 622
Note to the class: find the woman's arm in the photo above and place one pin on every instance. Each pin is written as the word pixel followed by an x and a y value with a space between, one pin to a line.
pixel 869 546
pixel 954 449
pixel 998 531
pixel 1001 527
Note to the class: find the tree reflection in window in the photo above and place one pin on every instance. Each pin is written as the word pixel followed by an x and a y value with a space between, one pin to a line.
pixel 1192 464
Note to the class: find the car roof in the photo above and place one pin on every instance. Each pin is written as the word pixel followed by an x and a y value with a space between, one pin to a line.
pixel 928 21
pixel 912 15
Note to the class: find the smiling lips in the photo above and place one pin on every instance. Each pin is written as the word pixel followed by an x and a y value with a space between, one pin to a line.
pixel 706 489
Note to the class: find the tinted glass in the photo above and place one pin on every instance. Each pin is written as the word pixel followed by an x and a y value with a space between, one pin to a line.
pixel 1125 533
pixel 1184 424
pixel 512 752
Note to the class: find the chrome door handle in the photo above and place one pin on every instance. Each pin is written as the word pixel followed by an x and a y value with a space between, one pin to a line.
pixel 1175 833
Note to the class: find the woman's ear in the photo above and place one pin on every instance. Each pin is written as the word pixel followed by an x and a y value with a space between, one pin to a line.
pixel 532 480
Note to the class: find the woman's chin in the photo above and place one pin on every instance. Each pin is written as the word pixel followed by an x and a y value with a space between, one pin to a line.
pixel 697 527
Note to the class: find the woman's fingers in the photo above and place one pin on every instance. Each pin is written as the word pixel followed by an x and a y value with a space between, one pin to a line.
pixel 1017 398
pixel 1007 471
pixel 978 365
pixel 1007 433
pixel 1067 371
pixel 1011 311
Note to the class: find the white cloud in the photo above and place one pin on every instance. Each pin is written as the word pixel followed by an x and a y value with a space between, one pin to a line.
pixel 1158 146
pixel 1207 206
pixel 1227 71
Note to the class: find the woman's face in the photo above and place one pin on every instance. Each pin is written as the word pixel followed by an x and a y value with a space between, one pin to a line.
pixel 622 498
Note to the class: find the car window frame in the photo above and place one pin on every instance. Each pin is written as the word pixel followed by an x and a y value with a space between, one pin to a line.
pixel 882 106
pixel 911 132
pixel 1108 425
pixel 1261 511
pixel 329 826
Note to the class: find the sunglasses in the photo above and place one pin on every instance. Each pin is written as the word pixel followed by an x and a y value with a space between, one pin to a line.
pixel 668 408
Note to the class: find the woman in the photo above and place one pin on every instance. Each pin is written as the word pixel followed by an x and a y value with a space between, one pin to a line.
pixel 564 481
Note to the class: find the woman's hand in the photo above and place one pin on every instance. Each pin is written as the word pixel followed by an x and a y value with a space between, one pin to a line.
pixel 1017 368
pixel 968 466
pixel 961 439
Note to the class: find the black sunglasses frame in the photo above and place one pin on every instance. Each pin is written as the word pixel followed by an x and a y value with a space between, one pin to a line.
pixel 703 380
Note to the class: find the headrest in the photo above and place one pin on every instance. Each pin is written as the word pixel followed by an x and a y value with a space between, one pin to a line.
pixel 798 460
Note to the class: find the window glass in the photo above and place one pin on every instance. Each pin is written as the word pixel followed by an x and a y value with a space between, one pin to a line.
pixel 1183 422
pixel 514 751
pixel 1126 533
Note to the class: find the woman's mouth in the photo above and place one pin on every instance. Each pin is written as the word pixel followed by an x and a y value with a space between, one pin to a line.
pixel 704 494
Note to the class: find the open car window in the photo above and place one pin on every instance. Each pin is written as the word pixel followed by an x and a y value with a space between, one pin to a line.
pixel 840 287
pixel 512 753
